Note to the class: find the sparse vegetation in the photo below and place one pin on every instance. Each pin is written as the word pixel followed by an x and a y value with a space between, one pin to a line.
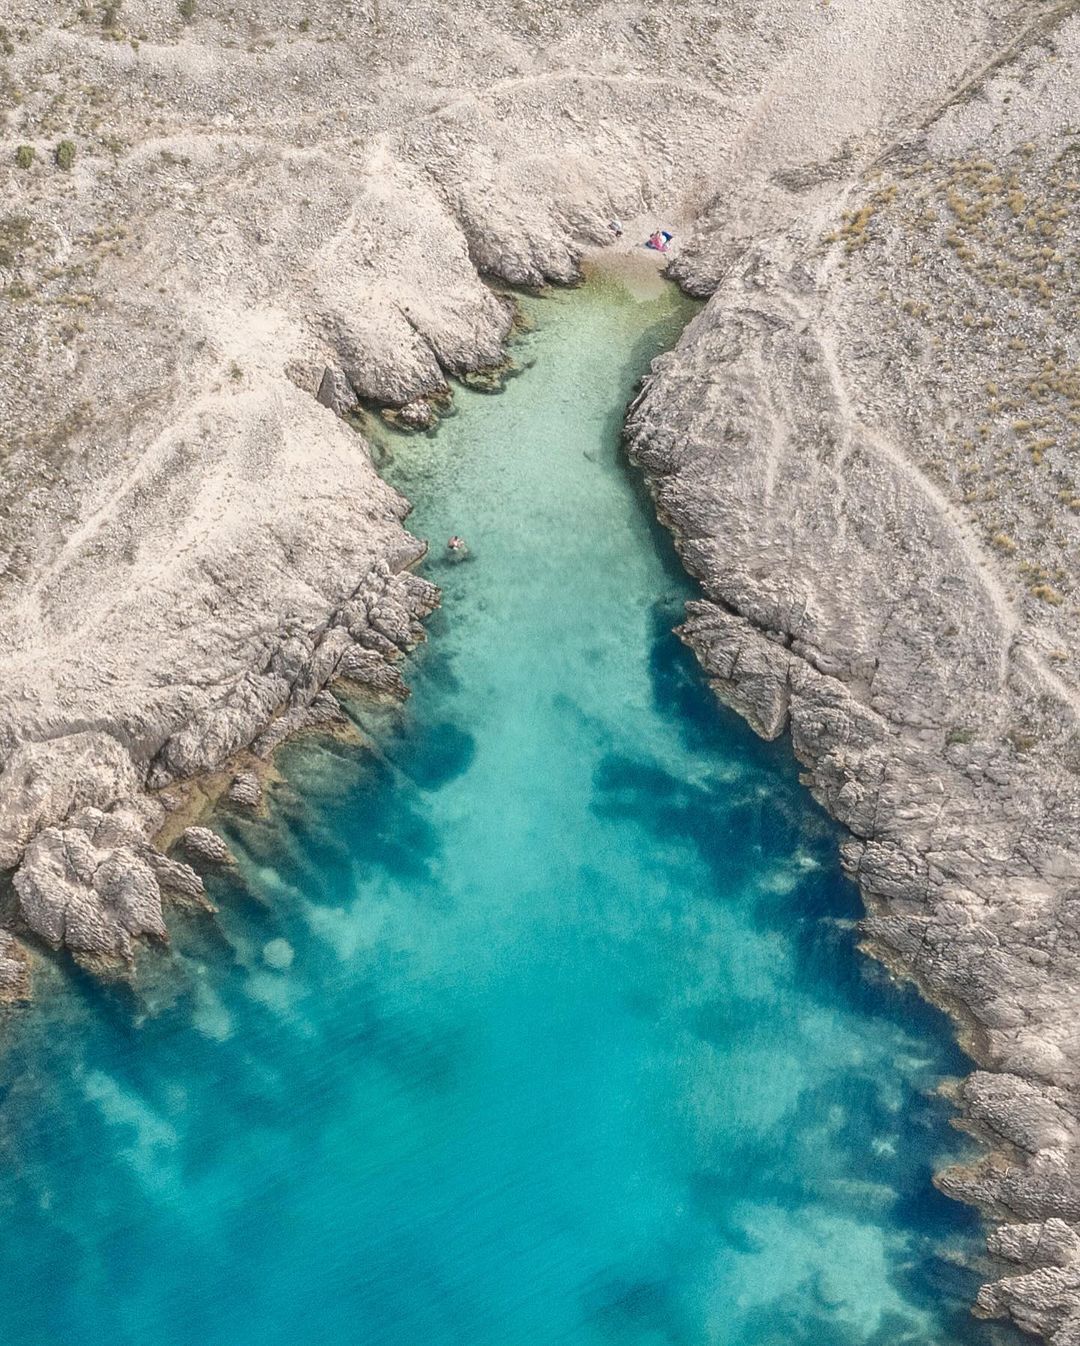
pixel 187 9
pixel 24 156
pixel 994 327
pixel 65 155
pixel 854 223
pixel 14 237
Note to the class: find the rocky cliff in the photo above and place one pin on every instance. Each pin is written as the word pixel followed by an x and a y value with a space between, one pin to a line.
pixel 867 448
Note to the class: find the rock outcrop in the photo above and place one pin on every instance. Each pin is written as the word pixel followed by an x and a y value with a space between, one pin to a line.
pixel 203 843
pixel 43 782
pixel 245 790
pixel 89 878
pixel 96 884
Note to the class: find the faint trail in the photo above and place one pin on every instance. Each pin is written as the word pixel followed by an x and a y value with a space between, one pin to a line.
pixel 964 536
pixel 1040 25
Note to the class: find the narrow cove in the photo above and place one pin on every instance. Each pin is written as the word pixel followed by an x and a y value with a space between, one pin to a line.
pixel 539 1021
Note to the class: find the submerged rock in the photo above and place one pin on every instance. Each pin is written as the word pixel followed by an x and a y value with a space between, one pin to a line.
pixel 416 415
pixel 278 954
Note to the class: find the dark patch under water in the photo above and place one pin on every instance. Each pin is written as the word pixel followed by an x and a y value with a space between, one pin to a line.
pixel 541 1022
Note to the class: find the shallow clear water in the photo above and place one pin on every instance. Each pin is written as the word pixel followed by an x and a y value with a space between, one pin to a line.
pixel 540 1022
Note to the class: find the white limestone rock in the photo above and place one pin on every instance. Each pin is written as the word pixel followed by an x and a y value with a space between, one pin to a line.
pixel 246 790
pixel 839 445
pixel 41 783
pixel 203 843
pixel 96 884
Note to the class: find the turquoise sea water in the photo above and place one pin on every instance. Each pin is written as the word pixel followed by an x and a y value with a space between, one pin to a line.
pixel 540 1021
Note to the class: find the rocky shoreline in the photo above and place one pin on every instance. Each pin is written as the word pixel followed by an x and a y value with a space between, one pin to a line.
pixel 863 445
pixel 885 536
pixel 82 812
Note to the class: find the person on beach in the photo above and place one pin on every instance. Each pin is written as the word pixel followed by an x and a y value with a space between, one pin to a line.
pixel 616 228
pixel 659 240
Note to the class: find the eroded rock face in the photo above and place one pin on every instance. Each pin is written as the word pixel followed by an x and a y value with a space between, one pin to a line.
pixel 14 969
pixel 748 674
pixel 42 783
pixel 1042 1302
pixel 96 884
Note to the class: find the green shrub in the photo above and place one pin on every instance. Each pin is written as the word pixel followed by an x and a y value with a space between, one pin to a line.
pixel 187 10
pixel 65 155
pixel 15 234
pixel 24 156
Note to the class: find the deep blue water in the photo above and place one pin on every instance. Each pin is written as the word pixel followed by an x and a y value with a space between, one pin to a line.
pixel 540 1020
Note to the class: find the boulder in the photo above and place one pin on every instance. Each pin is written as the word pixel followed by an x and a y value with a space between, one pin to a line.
pixel 246 790
pixel 205 844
